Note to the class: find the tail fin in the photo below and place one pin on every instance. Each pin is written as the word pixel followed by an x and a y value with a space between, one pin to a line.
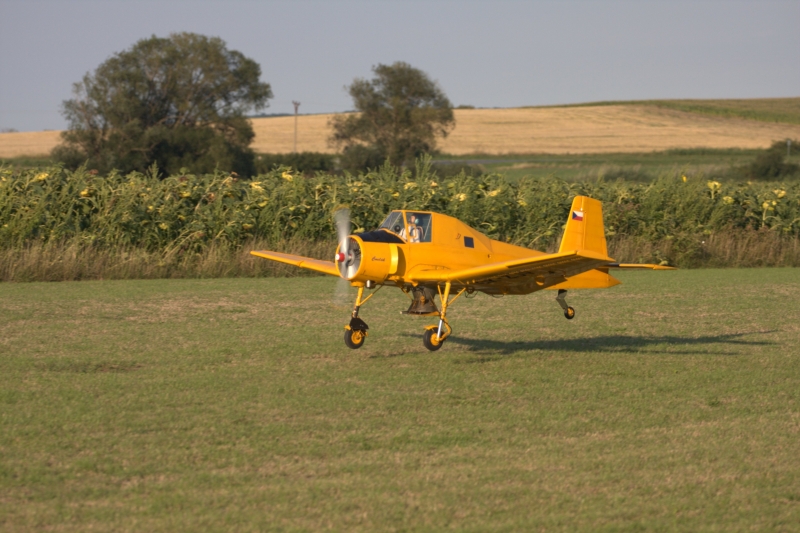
pixel 585 229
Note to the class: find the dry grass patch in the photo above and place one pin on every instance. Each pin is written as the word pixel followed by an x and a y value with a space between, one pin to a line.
pixel 68 261
pixel 739 248
pixel 72 261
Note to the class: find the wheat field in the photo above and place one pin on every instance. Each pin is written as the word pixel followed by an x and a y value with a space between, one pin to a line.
pixel 28 143
pixel 555 130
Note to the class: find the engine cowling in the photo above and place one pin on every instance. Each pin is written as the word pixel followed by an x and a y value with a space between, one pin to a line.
pixel 367 261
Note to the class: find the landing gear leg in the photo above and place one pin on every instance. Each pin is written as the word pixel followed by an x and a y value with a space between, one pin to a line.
pixel 355 333
pixel 435 335
pixel 569 312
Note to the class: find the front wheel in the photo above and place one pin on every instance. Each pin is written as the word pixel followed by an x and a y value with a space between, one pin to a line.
pixel 431 340
pixel 354 338
pixel 569 313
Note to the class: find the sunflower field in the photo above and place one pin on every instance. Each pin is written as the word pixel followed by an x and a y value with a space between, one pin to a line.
pixel 671 219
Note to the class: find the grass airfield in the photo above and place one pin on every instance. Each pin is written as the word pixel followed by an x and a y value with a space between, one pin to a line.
pixel 671 402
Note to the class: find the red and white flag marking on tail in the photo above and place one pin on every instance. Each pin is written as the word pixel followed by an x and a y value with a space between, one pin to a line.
pixel 577 215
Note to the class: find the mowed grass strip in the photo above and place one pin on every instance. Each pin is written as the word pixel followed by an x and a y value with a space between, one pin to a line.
pixel 669 402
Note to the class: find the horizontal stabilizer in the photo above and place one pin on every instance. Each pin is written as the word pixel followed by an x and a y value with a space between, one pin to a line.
pixel 599 278
pixel 640 265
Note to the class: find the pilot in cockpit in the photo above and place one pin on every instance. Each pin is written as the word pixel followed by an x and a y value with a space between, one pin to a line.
pixel 417 229
pixel 414 229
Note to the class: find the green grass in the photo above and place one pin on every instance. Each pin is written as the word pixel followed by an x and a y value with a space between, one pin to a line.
pixel 629 166
pixel 785 110
pixel 633 167
pixel 25 161
pixel 671 402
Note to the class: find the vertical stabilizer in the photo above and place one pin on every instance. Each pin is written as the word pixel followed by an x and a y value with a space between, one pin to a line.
pixel 584 229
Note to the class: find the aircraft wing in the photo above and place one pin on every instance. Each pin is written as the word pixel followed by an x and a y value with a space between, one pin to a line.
pixel 640 265
pixel 568 264
pixel 326 267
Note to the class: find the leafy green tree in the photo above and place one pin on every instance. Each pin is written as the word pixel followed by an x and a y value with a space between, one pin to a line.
pixel 399 115
pixel 177 102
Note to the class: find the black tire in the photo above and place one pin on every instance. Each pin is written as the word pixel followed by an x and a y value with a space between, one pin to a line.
pixel 427 340
pixel 354 338
pixel 569 313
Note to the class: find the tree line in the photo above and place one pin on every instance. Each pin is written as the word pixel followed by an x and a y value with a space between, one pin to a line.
pixel 182 102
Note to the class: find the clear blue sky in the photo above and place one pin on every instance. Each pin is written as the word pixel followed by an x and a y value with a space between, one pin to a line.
pixel 484 53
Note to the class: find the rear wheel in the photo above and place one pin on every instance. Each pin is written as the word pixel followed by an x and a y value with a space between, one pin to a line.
pixel 431 340
pixel 354 338
pixel 569 313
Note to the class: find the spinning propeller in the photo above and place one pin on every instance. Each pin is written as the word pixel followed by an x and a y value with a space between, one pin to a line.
pixel 348 257
pixel 342 219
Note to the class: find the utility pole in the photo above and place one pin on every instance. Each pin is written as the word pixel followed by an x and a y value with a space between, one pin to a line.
pixel 296 106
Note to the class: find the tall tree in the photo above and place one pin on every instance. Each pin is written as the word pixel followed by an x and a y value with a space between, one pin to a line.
pixel 399 115
pixel 175 101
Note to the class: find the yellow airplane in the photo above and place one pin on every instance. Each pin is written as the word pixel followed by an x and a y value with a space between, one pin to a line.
pixel 425 254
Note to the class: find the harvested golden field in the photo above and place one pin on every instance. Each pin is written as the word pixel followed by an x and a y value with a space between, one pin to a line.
pixel 275 135
pixel 556 130
pixel 28 143
pixel 603 129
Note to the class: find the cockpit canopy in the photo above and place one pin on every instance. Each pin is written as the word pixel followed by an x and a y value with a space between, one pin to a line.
pixel 402 227
pixel 411 226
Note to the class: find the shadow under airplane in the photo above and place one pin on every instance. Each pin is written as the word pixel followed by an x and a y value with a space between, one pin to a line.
pixel 612 343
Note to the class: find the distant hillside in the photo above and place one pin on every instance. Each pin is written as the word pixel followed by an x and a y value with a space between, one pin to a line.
pixel 603 127
pixel 786 110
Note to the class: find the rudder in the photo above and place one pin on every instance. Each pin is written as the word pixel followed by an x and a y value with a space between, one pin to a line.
pixel 585 230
